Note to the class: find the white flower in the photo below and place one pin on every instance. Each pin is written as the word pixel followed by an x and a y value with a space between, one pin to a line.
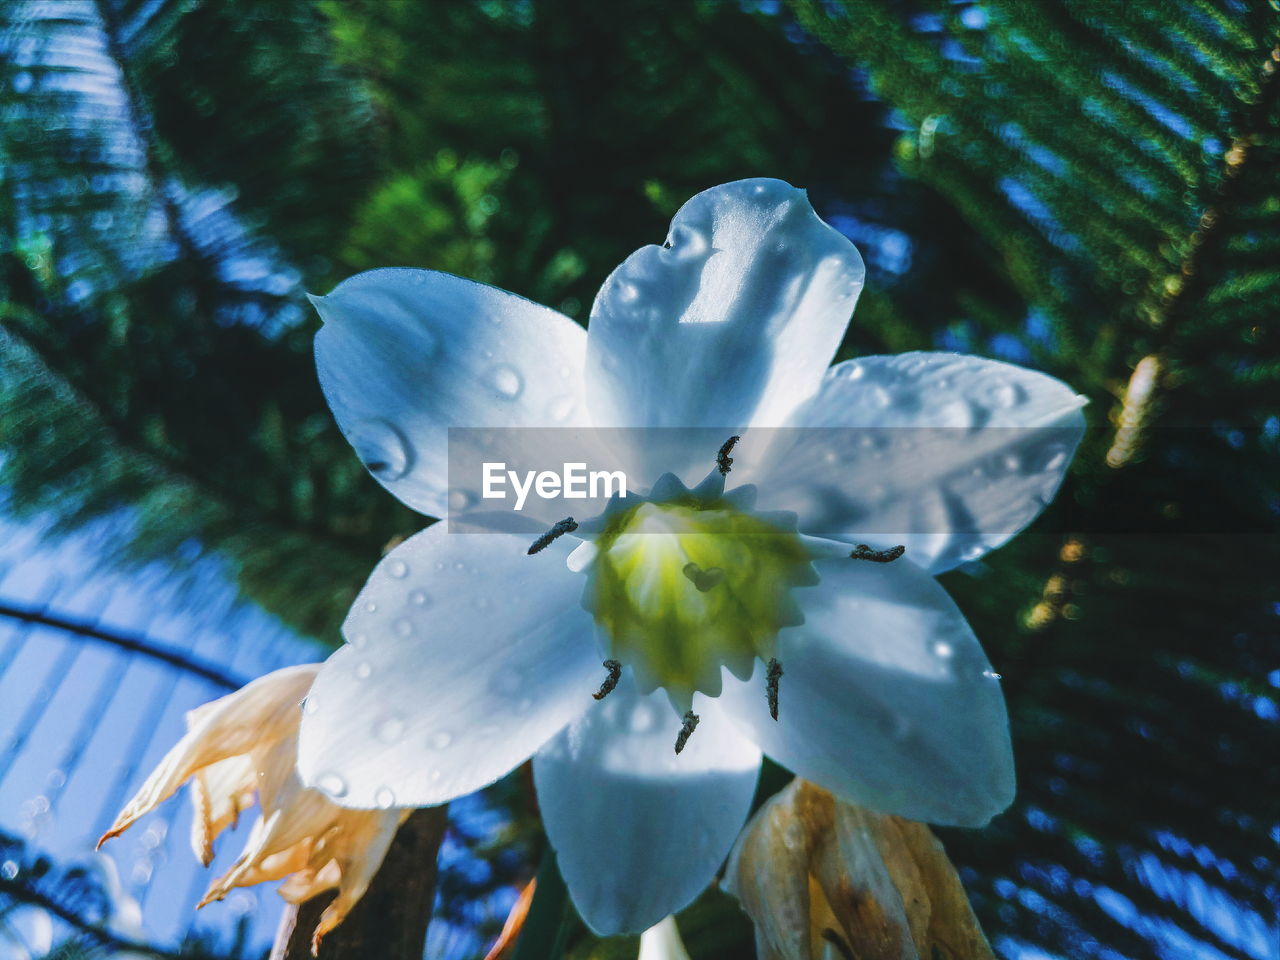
pixel 242 746
pixel 465 656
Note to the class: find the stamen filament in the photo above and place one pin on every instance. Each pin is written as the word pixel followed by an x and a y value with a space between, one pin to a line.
pixel 775 674
pixel 567 525
pixel 863 552
pixel 690 724
pixel 615 672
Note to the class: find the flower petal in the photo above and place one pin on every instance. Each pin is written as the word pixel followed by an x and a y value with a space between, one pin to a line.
pixel 638 830
pixel 405 354
pixel 950 455
pixel 731 322
pixel 886 698
pixel 258 714
pixel 463 656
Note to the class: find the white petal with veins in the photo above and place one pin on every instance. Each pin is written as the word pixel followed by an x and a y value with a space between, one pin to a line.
pixel 886 698
pixel 639 830
pixel 463 656
pixel 405 354
pixel 731 323
pixel 950 455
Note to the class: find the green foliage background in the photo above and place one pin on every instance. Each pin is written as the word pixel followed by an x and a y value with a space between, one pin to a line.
pixel 1071 184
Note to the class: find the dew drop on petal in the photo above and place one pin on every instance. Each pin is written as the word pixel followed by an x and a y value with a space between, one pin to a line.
pixel 1006 395
pixel 398 569
pixel 942 649
pixel 957 414
pixel 434 776
pixel 370 607
pixel 390 729
pixel 561 408
pixel 441 739
pixel 385 798
pixel 506 380
pixel 419 598
pixel 642 719
pixel 853 371
pixel 310 705
pixel 364 670
pixel 359 640
pixel 877 398
pixel 627 291
pixel 333 785
pixel 992 675
pixel 459 499
pixel 440 564
pixel 381 447
pixel 1053 458
pixel 403 627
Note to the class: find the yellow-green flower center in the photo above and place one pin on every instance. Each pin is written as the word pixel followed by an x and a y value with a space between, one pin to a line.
pixel 684 588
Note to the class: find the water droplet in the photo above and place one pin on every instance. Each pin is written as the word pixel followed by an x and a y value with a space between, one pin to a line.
pixel 643 719
pixel 506 380
pixel 385 798
pixel 440 564
pixel 460 499
pixel 853 371
pixel 1006 395
pixel 459 565
pixel 359 640
pixel 390 729
pixel 398 569
pixel 364 670
pixel 333 785
pixel 688 242
pixel 382 448
pixel 992 674
pixel 370 607
pixel 1012 462
pixel 877 398
pixel 434 776
pixel 419 598
pixel 1053 458
pixel 561 408
pixel 942 649
pixel 310 705
pixel 627 291
pixel 403 627
pixel 958 414
pixel 441 739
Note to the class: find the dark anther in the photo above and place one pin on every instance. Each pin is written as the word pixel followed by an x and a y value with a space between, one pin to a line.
pixel 837 941
pixel 611 681
pixel 567 525
pixel 723 460
pixel 690 724
pixel 864 552
pixel 704 580
pixel 775 674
